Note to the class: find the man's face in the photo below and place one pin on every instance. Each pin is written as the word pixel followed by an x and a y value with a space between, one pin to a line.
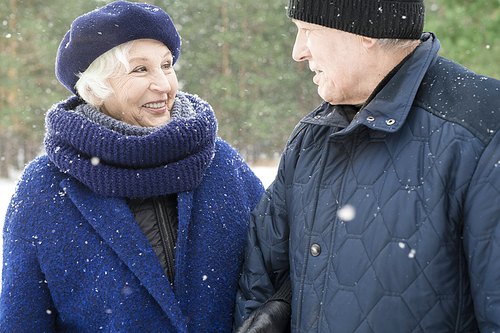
pixel 338 58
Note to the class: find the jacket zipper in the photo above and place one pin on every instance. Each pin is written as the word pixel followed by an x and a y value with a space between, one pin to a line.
pixel 324 153
pixel 341 201
pixel 167 240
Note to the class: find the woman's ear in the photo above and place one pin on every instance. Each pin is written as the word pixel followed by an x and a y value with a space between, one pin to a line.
pixel 91 98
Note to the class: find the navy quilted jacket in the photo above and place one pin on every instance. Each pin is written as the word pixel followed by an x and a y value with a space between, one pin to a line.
pixel 389 223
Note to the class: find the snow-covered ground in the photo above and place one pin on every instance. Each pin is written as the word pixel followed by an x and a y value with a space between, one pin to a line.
pixel 6 191
pixel 266 175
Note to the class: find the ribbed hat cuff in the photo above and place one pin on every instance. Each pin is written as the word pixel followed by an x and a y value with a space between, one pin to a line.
pixel 376 19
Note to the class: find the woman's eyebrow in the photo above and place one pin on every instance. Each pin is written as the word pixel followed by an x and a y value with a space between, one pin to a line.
pixel 145 58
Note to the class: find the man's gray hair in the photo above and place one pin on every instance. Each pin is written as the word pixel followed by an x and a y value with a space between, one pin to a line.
pixel 396 45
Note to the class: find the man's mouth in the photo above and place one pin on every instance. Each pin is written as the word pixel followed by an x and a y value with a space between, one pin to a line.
pixel 316 76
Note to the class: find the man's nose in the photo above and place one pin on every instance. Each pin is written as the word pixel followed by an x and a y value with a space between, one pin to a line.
pixel 300 51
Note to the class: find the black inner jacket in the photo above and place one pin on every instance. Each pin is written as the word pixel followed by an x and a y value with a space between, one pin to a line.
pixel 158 220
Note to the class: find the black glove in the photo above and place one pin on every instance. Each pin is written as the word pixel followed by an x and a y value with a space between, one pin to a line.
pixel 271 317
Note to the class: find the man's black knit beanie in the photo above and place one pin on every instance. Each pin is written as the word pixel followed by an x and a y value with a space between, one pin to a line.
pixel 403 19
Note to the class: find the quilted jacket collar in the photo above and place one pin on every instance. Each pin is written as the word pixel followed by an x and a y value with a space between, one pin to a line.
pixel 389 108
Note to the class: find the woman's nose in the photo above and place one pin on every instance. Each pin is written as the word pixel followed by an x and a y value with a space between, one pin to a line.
pixel 159 82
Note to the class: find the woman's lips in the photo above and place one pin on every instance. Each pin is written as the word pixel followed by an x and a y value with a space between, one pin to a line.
pixel 157 107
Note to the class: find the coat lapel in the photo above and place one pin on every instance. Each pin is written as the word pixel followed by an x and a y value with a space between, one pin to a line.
pixel 113 221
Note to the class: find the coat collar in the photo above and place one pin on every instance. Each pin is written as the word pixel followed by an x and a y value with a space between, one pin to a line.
pixel 388 110
pixel 112 220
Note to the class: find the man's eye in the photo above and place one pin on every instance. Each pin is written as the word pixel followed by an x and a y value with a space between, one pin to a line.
pixel 167 65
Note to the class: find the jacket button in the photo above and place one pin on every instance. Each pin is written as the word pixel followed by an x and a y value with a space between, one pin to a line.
pixel 315 250
pixel 390 122
pixel 317 117
pixel 370 119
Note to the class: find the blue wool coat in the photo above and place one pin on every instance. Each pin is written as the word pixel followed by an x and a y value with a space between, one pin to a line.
pixel 76 261
pixel 391 222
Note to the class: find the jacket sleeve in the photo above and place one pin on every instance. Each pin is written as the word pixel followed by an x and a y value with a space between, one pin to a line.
pixel 25 302
pixel 266 264
pixel 481 236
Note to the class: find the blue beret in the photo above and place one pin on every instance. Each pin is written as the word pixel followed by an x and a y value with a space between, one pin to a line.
pixel 97 32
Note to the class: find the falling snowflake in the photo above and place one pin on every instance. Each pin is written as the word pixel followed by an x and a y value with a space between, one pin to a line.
pixel 346 213
pixel 95 160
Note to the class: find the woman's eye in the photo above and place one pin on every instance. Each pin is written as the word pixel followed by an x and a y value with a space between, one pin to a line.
pixel 167 65
pixel 139 69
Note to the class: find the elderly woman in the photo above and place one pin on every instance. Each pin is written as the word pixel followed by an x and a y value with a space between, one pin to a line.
pixel 135 220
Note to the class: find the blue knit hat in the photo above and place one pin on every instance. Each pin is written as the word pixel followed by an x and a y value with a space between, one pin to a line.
pixel 97 32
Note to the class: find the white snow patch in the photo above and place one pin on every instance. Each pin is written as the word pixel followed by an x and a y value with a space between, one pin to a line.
pixel 7 187
pixel 265 173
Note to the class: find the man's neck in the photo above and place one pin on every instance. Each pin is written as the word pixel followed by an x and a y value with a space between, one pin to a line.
pixel 388 77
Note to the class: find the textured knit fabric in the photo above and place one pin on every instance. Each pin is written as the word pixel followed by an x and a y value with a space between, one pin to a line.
pixel 389 223
pixel 131 165
pixel 98 31
pixel 402 19
pixel 182 108
pixel 77 261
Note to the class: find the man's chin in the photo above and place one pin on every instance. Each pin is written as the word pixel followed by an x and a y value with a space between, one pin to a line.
pixel 326 96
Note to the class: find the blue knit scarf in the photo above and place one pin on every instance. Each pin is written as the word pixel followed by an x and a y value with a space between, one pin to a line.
pixel 116 159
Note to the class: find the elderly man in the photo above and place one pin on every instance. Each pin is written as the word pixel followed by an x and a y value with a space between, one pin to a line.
pixel 384 215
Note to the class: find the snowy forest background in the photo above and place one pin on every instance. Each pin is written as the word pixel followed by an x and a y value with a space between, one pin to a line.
pixel 235 54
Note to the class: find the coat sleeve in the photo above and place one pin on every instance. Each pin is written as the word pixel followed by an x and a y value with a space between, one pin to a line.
pixel 266 264
pixel 25 302
pixel 481 237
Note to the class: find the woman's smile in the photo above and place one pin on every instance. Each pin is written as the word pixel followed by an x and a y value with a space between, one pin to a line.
pixel 144 94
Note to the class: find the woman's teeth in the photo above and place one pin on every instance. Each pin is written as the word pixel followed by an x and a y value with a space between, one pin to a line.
pixel 154 105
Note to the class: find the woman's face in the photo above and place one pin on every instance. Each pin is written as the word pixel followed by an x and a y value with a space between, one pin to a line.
pixel 145 95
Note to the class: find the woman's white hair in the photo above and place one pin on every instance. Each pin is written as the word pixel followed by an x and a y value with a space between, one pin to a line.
pixel 93 86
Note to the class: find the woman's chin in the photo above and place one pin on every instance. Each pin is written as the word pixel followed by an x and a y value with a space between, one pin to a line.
pixel 155 121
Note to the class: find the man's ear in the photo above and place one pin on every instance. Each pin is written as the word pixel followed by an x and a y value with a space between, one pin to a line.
pixel 368 42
